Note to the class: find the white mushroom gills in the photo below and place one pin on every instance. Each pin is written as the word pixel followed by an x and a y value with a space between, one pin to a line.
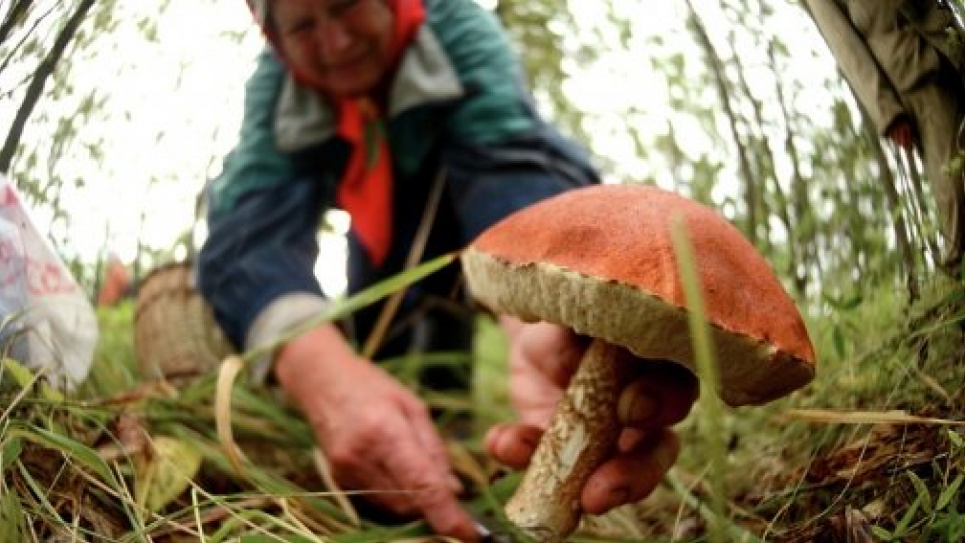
pixel 582 434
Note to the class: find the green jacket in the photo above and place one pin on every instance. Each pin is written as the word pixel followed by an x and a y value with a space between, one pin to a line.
pixel 458 103
pixel 458 79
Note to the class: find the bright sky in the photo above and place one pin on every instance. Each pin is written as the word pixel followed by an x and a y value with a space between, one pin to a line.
pixel 174 111
pixel 175 107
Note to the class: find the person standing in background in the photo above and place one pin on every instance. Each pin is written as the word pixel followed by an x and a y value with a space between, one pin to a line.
pixel 904 59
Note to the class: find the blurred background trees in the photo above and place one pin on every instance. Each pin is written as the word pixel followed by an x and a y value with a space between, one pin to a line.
pixel 736 103
pixel 742 108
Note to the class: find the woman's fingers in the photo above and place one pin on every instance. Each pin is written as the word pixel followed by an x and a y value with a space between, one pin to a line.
pixel 513 444
pixel 410 465
pixel 416 459
pixel 430 440
pixel 542 360
pixel 552 350
pixel 661 395
pixel 380 440
pixel 631 475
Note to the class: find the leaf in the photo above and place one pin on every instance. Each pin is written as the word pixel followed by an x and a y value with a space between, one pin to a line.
pixel 11 451
pixel 842 303
pixel 956 439
pixel 711 410
pixel 839 342
pixel 19 372
pixel 76 450
pixel 881 533
pixel 226 379
pixel 51 394
pixel 896 416
pixel 902 528
pixel 166 472
pixel 949 492
pixel 259 538
pixel 11 517
pixel 923 494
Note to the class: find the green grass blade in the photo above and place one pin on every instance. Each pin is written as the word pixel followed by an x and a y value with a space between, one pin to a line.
pixel 949 492
pixel 908 517
pixel 922 491
pixel 48 510
pixel 23 377
pixel 12 521
pixel 86 456
pixel 710 409
pixel 10 450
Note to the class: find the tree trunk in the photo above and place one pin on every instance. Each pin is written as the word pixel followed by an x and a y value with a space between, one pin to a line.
pixel 798 276
pixel 744 164
pixel 36 87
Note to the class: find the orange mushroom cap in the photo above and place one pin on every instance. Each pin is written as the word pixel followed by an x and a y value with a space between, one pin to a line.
pixel 600 260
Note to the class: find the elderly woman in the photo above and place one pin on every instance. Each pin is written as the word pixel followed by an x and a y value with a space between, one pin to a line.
pixel 365 105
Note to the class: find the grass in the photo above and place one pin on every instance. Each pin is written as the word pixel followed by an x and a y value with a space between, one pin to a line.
pixel 129 460
pixel 794 479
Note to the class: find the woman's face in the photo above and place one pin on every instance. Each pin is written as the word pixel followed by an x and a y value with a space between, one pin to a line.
pixel 342 47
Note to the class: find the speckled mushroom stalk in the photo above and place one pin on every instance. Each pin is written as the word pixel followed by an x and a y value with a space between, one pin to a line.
pixel 582 433
pixel 600 261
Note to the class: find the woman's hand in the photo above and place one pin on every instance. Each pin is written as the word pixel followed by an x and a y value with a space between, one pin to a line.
pixel 902 132
pixel 543 358
pixel 378 437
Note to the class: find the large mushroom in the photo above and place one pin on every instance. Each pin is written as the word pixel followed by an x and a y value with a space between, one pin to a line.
pixel 600 261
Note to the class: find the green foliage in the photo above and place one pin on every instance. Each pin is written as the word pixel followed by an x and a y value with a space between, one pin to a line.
pixel 540 30
pixel 741 116
pixel 30 54
pixel 490 392
pixel 710 406
pixel 936 513
pixel 115 366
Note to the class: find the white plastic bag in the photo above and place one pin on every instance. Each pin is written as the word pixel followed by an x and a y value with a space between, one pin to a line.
pixel 46 322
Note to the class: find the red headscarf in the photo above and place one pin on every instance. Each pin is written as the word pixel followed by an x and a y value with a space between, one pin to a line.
pixel 365 191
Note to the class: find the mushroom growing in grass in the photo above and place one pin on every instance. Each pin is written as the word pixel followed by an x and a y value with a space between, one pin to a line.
pixel 600 261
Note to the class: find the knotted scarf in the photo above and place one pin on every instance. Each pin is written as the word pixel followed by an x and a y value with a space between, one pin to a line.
pixel 365 191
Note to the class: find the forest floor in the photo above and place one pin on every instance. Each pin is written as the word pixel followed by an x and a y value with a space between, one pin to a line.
pixel 872 450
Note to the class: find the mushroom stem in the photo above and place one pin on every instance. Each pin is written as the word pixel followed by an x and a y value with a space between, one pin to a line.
pixel 582 433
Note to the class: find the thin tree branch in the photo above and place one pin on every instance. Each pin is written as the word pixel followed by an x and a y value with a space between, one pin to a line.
pixel 23 39
pixel 744 165
pixel 13 17
pixel 36 87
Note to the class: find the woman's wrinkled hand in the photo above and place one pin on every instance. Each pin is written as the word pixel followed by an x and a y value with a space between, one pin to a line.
pixel 377 435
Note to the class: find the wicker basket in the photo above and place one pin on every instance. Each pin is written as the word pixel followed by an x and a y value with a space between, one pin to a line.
pixel 175 335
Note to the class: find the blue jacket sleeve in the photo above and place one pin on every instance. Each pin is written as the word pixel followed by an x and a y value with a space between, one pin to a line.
pixel 500 154
pixel 487 182
pixel 262 220
pixel 264 248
